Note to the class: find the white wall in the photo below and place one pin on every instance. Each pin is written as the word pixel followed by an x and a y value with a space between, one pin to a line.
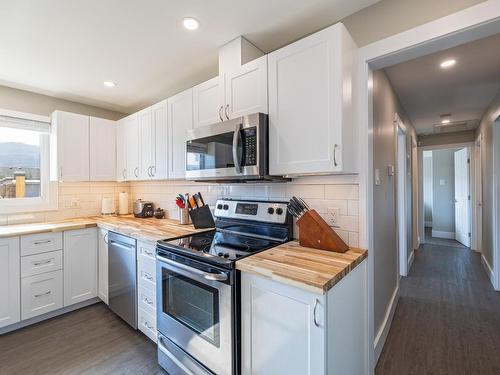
pixel 427 182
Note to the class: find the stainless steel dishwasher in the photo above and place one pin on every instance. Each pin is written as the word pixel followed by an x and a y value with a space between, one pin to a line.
pixel 122 277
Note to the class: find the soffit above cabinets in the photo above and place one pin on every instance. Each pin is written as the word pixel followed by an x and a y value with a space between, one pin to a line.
pixel 68 49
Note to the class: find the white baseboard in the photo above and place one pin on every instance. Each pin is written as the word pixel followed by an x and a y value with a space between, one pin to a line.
pixel 488 270
pixel 410 260
pixel 386 325
pixel 441 234
pixel 428 224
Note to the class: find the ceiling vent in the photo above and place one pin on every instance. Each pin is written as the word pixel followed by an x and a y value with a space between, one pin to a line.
pixel 456 126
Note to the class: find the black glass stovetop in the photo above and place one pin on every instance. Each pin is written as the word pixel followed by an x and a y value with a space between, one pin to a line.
pixel 217 246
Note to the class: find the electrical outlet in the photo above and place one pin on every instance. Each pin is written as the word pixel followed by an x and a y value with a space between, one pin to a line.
pixel 333 216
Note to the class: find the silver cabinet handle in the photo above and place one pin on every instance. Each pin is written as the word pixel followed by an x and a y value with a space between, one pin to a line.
pixel 60 174
pixel 148 277
pixel 147 325
pixel 136 172
pixel 124 174
pixel 226 110
pixel 314 313
pixel 42 294
pixel 220 113
pixel 42 242
pixel 148 253
pixel 42 262
pixel 106 239
pixel 335 155
pixel 148 301
pixel 153 170
pixel 149 171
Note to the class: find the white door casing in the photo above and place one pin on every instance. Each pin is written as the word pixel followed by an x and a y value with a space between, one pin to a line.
pixel 462 195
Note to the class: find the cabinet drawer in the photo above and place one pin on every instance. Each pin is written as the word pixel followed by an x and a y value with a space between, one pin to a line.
pixel 41 243
pixel 147 251
pixel 41 263
pixel 41 294
pixel 147 279
pixel 147 264
pixel 147 300
pixel 147 324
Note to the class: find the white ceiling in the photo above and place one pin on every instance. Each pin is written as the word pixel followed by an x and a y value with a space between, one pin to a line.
pixel 68 48
pixel 465 90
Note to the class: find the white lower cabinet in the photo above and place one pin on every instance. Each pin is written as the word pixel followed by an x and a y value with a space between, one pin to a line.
pixel 103 266
pixel 80 265
pixel 288 330
pixel 10 293
pixel 146 295
pixel 41 294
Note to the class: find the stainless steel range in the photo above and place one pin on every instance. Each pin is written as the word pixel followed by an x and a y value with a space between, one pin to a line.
pixel 198 286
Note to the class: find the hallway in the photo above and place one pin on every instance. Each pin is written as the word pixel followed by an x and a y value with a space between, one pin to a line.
pixel 447 320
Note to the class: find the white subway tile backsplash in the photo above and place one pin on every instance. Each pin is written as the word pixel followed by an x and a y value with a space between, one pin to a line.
pixel 341 191
pixel 353 239
pixel 353 207
pixel 305 191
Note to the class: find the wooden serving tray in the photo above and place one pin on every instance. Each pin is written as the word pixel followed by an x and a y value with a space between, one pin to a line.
pixel 316 233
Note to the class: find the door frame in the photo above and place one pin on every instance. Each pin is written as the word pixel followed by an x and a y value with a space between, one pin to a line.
pixel 477 196
pixel 475 22
pixel 401 140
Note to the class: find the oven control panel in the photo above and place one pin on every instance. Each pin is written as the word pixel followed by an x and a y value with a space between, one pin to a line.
pixel 266 211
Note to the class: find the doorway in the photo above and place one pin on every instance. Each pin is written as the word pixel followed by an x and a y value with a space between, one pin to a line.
pixel 401 196
pixel 447 188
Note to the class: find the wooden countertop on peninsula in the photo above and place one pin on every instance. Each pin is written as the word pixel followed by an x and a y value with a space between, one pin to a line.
pixel 148 230
pixel 303 267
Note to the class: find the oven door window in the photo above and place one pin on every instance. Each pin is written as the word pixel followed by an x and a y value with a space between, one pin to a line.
pixel 193 304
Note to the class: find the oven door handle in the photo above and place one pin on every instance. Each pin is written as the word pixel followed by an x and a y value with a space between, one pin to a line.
pixel 236 158
pixel 206 275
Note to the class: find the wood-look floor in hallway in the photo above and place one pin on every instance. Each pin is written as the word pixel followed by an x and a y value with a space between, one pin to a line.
pixel 447 320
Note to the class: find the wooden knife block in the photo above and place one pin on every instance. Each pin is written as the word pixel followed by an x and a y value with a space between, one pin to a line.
pixel 315 232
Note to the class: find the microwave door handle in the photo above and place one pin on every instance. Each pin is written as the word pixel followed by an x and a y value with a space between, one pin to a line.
pixel 236 139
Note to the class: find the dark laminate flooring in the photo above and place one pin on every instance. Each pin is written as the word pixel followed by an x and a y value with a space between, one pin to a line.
pixel 440 241
pixel 92 340
pixel 447 320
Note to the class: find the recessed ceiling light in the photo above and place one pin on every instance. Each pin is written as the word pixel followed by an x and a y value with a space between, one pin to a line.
pixel 448 63
pixel 445 119
pixel 109 84
pixel 190 23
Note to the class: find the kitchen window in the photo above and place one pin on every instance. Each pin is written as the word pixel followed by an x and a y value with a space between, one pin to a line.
pixel 25 163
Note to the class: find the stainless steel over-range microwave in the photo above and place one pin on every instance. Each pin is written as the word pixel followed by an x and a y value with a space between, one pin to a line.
pixel 236 149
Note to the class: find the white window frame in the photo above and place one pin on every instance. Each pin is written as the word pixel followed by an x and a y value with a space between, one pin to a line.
pixel 48 199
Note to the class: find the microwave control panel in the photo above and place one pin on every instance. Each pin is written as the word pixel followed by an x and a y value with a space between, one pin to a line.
pixel 249 138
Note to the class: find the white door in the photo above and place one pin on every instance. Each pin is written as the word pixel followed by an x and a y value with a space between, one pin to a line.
pixel 246 89
pixel 121 151
pixel 479 194
pixel 462 225
pixel 80 265
pixel 147 144
pixel 103 265
pixel 160 167
pixel 10 292
pixel 132 147
pixel 305 99
pixel 180 120
pixel 102 149
pixel 208 102
pixel 72 146
pixel 279 330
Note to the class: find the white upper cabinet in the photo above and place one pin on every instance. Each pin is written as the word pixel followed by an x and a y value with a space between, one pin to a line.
pixel 72 134
pixel 121 151
pixel 132 147
pixel 102 149
pixel 180 120
pixel 80 265
pixel 246 89
pixel 310 105
pixel 147 145
pixel 160 166
pixel 208 102
pixel 10 287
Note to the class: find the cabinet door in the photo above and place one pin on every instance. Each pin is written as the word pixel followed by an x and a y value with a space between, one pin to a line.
pixel 80 265
pixel 147 145
pixel 132 143
pixel 208 102
pixel 10 292
pixel 279 330
pixel 180 120
pixel 72 146
pixel 103 265
pixel 121 151
pixel 305 103
pixel 41 294
pixel 246 89
pixel 160 168
pixel 102 149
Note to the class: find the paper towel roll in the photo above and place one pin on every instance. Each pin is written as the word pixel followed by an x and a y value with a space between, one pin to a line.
pixel 123 203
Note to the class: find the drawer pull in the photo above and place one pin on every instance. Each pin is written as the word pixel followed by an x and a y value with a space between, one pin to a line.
pixel 148 301
pixel 148 253
pixel 148 277
pixel 43 294
pixel 36 264
pixel 148 326
pixel 42 242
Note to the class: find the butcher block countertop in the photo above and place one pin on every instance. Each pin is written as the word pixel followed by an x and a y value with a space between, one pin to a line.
pixel 147 230
pixel 303 267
